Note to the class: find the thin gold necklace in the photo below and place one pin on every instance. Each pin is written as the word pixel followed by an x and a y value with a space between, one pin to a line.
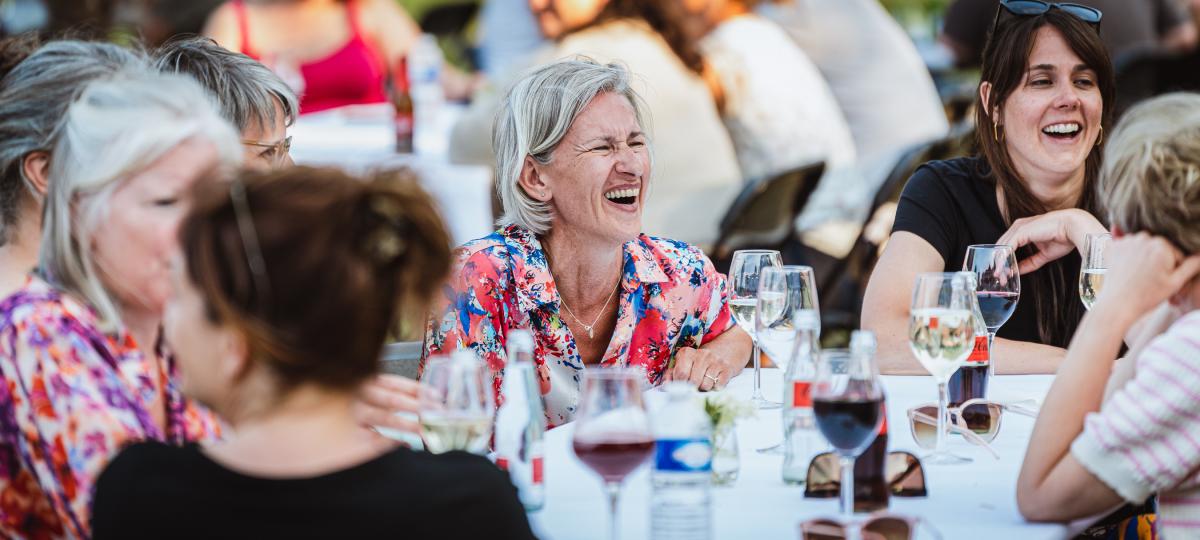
pixel 589 327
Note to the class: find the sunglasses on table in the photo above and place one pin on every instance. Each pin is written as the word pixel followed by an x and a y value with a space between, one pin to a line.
pixel 977 420
pixel 879 526
pixel 902 471
pixel 1031 8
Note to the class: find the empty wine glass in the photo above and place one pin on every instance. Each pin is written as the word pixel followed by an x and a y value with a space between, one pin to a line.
pixel 612 431
pixel 1095 265
pixel 941 332
pixel 848 407
pixel 744 272
pixel 456 404
pixel 796 286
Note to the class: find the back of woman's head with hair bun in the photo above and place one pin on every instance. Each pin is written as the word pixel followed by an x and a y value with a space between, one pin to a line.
pixel 344 259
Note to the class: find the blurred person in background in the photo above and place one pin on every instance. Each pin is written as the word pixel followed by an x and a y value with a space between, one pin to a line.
pixel 281 297
pixel 341 50
pixel 509 37
pixel 778 109
pixel 1089 452
pixel 1129 26
pixel 1043 103
pixel 571 263
pixel 251 97
pixel 79 341
pixel 34 96
pixel 658 40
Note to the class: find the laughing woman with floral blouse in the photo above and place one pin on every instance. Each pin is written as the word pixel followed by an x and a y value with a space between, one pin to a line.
pixel 570 263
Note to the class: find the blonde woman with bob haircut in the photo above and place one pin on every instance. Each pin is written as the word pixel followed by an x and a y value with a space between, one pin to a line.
pixel 79 342
pixel 1088 454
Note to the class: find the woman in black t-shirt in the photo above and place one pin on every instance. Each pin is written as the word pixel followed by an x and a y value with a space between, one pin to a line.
pixel 1047 84
pixel 282 297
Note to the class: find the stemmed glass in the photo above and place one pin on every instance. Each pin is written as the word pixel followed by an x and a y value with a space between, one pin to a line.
pixel 456 404
pixel 848 407
pixel 997 283
pixel 744 272
pixel 612 431
pixel 777 335
pixel 941 332
pixel 1091 275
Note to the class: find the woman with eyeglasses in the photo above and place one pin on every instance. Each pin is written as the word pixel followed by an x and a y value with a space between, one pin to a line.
pixel 84 368
pixel 1044 99
pixel 281 297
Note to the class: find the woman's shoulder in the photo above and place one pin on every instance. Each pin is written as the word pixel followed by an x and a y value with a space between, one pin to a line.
pixel 675 255
pixel 953 171
pixel 500 250
pixel 39 305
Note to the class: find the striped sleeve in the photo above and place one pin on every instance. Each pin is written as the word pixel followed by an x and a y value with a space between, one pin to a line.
pixel 1146 438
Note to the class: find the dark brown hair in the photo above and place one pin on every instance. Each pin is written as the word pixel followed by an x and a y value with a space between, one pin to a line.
pixel 669 19
pixel 344 259
pixel 1005 62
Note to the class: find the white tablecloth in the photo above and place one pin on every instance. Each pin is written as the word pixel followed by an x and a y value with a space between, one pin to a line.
pixel 362 138
pixel 975 501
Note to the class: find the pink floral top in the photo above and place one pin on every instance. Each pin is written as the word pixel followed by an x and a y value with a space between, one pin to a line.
pixel 71 396
pixel 670 297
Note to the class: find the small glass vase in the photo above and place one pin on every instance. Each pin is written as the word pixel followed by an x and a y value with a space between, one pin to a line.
pixel 725 462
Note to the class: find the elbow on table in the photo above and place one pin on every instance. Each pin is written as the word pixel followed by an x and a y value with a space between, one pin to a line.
pixel 1039 505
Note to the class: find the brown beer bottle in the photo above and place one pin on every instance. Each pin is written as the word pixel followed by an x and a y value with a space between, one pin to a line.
pixel 870 483
pixel 403 103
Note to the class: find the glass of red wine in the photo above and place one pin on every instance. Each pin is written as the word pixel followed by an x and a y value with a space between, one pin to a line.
pixel 997 287
pixel 612 430
pixel 848 406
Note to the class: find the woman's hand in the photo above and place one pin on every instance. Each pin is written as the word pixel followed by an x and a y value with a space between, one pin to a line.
pixel 1143 272
pixel 1055 234
pixel 704 368
pixel 381 398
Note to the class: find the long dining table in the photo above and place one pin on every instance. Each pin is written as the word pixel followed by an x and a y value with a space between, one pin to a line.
pixel 974 501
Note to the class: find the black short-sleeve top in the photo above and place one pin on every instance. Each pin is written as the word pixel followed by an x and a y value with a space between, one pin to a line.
pixel 952 204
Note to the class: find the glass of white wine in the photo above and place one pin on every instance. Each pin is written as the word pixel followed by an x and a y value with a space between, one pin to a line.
pixel 1091 274
pixel 744 273
pixel 456 404
pixel 941 332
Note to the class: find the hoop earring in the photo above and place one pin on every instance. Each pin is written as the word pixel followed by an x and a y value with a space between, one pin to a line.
pixel 996 132
pixel 1101 138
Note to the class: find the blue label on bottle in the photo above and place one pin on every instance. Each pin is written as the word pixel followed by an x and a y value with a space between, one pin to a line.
pixel 683 455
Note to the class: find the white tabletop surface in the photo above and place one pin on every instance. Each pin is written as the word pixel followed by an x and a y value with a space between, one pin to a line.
pixel 975 501
pixel 361 138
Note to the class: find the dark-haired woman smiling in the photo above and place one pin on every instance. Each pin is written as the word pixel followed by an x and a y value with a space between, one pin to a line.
pixel 1040 117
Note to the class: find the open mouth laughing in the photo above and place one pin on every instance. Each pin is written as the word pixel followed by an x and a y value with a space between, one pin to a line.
pixel 626 196
pixel 1065 131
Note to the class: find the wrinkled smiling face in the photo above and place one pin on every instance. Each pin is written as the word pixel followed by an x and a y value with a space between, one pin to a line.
pixel 598 173
pixel 1052 120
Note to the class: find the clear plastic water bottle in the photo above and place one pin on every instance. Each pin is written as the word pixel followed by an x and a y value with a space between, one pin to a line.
pixel 682 474
pixel 801 438
pixel 425 77
pixel 521 423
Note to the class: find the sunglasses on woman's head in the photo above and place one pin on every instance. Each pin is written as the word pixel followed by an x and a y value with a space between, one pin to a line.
pixel 1031 8
pixel 901 471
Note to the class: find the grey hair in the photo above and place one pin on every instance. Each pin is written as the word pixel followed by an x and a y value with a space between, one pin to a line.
pixel 33 98
pixel 118 127
pixel 535 116
pixel 246 90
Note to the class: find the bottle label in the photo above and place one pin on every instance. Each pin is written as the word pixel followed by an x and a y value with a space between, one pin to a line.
pixel 683 455
pixel 801 394
pixel 502 463
pixel 538 470
pixel 980 354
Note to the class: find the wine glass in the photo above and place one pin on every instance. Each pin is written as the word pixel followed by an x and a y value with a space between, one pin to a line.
pixel 1091 275
pixel 941 332
pixel 612 431
pixel 456 404
pixel 848 407
pixel 997 283
pixel 795 286
pixel 744 273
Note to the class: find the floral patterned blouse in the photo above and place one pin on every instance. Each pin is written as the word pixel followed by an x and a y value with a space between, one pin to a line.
pixel 670 297
pixel 71 396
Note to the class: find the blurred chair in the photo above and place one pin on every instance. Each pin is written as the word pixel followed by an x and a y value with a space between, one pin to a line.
pixel 1144 73
pixel 764 215
pixel 450 22
pixel 402 358
pixel 841 288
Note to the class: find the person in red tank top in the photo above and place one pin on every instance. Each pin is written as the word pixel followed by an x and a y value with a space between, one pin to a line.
pixel 338 53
